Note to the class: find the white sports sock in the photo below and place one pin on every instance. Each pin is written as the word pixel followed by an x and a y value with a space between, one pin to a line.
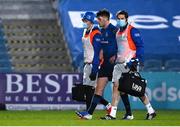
pixel 108 106
pixel 113 111
pixel 149 108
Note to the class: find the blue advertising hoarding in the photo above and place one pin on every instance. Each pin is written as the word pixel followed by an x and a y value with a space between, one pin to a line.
pixel 158 22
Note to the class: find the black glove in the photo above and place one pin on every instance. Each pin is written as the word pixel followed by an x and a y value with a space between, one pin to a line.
pixel 132 64
pixel 92 77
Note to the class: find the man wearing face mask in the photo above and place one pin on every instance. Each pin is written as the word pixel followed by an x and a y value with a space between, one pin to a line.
pixel 109 47
pixel 130 55
pixel 91 42
pixel 92 56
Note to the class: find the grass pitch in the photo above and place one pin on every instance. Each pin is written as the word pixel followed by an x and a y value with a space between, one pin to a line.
pixel 69 118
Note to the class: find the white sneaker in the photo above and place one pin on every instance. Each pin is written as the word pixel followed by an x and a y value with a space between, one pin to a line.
pixel 84 115
pixel 128 117
pixel 88 117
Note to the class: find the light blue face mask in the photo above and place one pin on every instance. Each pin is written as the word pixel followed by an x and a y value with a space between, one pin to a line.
pixel 85 25
pixel 121 22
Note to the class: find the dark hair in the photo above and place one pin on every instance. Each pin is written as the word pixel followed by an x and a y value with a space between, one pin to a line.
pixel 103 12
pixel 122 13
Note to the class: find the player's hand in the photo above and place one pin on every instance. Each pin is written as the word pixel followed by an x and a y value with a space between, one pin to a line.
pixel 92 77
pixel 112 59
pixel 133 64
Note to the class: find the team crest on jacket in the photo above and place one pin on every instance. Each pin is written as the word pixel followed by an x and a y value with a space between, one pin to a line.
pixel 106 35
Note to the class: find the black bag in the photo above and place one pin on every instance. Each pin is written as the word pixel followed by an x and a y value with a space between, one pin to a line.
pixel 78 92
pixel 132 83
pixel 2 106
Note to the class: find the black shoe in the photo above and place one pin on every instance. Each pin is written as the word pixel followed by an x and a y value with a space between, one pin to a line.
pixel 151 116
pixel 107 117
pixel 128 117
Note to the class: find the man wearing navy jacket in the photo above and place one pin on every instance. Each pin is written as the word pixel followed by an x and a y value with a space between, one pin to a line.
pixel 109 48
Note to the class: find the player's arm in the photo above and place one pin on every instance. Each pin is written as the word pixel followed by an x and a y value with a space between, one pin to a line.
pixel 136 36
pixel 114 55
pixel 96 59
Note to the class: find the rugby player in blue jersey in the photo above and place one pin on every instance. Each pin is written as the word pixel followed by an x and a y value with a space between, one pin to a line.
pixel 109 47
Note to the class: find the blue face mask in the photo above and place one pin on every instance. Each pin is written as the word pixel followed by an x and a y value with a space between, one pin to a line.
pixel 121 22
pixel 85 25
